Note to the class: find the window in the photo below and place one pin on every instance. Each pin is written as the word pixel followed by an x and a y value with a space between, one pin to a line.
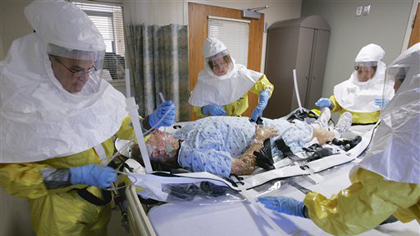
pixel 234 34
pixel 109 21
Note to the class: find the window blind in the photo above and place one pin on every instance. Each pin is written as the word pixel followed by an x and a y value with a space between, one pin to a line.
pixel 233 33
pixel 109 21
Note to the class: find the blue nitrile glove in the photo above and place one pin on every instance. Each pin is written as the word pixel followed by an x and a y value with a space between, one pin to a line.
pixel 381 102
pixel 262 103
pixel 323 102
pixel 213 110
pixel 160 112
pixel 285 205
pixel 92 174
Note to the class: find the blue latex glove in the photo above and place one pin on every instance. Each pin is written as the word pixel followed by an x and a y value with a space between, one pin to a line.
pixel 213 110
pixel 323 102
pixel 285 205
pixel 262 103
pixel 381 102
pixel 160 112
pixel 92 174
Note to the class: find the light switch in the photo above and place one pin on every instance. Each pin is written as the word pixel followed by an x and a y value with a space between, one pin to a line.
pixel 359 10
pixel 366 10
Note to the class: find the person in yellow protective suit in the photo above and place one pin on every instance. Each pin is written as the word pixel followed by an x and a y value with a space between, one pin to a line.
pixel 59 119
pixel 222 87
pixel 386 183
pixel 363 94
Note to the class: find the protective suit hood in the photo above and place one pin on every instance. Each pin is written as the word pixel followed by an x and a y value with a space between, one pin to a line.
pixel 395 150
pixel 221 90
pixel 370 52
pixel 357 96
pixel 41 120
pixel 212 46
pixel 60 23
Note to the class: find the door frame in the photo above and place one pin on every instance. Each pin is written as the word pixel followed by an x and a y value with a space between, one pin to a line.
pixel 409 29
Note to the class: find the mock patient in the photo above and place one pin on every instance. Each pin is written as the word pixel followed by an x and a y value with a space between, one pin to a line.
pixel 226 145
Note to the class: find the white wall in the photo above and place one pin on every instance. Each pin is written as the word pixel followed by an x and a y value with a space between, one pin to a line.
pixel 13 23
pixel 385 25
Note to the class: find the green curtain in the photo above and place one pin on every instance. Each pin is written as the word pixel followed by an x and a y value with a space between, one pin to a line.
pixel 159 63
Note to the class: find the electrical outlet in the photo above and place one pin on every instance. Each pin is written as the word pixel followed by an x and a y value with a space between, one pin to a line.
pixel 366 10
pixel 359 10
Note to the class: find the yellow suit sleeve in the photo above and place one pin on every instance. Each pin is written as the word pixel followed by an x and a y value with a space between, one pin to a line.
pixel 25 180
pixel 336 106
pixel 262 84
pixel 364 205
pixel 126 130
pixel 198 112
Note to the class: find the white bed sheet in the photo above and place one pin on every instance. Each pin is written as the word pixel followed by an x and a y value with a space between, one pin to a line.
pixel 241 218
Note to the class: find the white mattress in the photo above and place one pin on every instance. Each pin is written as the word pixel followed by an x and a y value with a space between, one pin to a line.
pixel 241 218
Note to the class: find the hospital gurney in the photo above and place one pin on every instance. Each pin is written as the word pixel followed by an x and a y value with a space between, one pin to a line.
pixel 240 217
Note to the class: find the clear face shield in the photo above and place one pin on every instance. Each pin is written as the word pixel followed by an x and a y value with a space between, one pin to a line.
pixel 365 70
pixel 399 76
pixel 221 63
pixel 77 71
pixel 394 77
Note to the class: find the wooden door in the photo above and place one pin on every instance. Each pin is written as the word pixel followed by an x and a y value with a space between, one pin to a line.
pixel 415 33
pixel 198 25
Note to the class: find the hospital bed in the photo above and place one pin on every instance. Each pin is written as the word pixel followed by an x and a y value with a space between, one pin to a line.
pixel 237 216
pixel 240 217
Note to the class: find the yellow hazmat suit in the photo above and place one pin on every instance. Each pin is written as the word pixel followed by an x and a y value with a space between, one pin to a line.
pixel 61 211
pixel 369 201
pixel 238 107
pixel 358 117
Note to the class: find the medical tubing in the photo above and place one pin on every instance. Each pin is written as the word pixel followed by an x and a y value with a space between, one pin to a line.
pixel 122 173
pixel 157 123
pixel 132 140
pixel 147 132
pixel 297 89
pixel 162 99
pixel 116 154
pixel 122 150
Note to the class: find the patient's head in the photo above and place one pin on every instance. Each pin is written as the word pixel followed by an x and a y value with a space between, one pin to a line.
pixel 163 150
